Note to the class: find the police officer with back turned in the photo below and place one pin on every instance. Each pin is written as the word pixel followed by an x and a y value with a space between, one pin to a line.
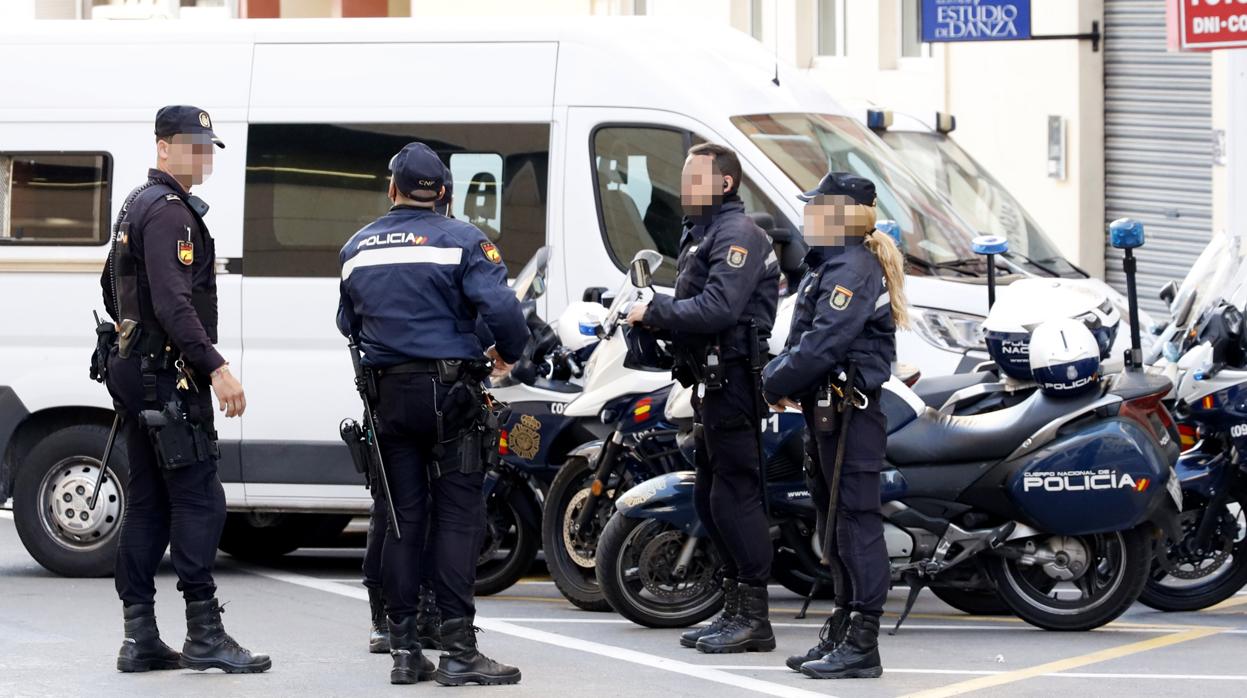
pixel 839 352
pixel 160 289
pixel 413 284
pixel 722 313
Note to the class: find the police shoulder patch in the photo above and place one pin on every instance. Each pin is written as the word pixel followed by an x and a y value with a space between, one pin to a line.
pixel 736 256
pixel 840 297
pixel 186 252
pixel 491 252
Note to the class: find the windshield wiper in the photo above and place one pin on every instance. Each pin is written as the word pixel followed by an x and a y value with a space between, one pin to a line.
pixel 1031 262
pixel 933 267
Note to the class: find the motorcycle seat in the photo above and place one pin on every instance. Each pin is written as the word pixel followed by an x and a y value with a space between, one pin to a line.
pixel 937 438
pixel 935 390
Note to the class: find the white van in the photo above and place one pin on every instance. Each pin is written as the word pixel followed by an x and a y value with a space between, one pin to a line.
pixel 563 133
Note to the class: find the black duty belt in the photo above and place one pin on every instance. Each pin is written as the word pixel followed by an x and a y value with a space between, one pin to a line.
pixel 421 366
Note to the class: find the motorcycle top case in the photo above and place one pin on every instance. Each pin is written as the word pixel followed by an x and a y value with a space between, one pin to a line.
pixel 1107 477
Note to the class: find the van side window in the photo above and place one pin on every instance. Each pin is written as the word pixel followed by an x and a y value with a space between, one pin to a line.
pixel 638 191
pixel 310 187
pixel 55 198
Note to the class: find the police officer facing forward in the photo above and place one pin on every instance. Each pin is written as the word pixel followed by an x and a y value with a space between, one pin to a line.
pixel 160 288
pixel 725 300
pixel 413 284
pixel 841 346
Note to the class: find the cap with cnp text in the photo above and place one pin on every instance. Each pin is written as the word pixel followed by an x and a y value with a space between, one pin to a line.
pixel 183 119
pixel 859 189
pixel 418 173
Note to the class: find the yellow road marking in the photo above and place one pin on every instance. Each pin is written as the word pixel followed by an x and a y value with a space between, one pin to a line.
pixel 1228 603
pixel 1059 665
pixel 1000 619
pixel 501 597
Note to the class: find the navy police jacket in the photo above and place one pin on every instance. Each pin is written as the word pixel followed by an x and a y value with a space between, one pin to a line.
pixel 415 282
pixel 727 276
pixel 175 262
pixel 843 313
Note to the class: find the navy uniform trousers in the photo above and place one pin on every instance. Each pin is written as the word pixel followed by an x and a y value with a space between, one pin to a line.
pixel 182 510
pixel 727 493
pixel 407 428
pixel 858 546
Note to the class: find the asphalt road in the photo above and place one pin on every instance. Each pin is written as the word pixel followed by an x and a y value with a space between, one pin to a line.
pixel 60 636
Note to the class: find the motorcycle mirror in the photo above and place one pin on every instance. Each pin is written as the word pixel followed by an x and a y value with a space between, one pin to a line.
pixel 595 294
pixel 1168 292
pixel 539 286
pixel 640 274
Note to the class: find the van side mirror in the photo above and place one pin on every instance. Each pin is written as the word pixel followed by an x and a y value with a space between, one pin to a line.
pixel 594 294
pixel 1168 292
pixel 640 274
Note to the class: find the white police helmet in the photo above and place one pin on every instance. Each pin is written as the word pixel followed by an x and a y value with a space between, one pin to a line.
pixel 579 323
pixel 1027 303
pixel 1064 358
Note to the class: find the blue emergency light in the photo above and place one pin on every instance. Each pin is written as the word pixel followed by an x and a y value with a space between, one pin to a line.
pixel 1125 233
pixel 989 244
pixel 878 119
pixel 891 228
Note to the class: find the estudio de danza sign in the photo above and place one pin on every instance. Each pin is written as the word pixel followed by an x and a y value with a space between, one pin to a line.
pixel 1203 25
pixel 975 20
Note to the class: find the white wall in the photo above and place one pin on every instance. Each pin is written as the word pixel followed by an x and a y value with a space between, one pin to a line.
pixel 1229 114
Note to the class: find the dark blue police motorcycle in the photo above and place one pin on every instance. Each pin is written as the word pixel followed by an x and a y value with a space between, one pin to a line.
pixel 1051 503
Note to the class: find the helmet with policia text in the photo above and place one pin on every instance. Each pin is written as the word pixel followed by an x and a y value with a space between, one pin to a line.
pixel 1064 358
pixel 1026 303
pixel 645 351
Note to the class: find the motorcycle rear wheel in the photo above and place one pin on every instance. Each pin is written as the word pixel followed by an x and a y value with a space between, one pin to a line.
pixel 975 603
pixel 1216 583
pixel 634 565
pixel 1112 570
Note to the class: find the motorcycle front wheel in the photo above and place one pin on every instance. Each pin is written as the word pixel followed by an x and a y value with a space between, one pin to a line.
pixel 636 561
pixel 571 556
pixel 1073 582
pixel 1190 580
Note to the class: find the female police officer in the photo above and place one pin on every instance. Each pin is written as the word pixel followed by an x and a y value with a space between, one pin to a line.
pixel 841 346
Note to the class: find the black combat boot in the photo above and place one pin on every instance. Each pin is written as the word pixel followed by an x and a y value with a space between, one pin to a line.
pixel 379 636
pixel 461 664
pixel 749 631
pixel 731 605
pixel 855 658
pixel 208 646
pixel 143 650
pixel 830 637
pixel 410 664
pixel 428 620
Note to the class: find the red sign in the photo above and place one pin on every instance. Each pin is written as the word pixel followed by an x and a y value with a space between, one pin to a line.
pixel 1204 25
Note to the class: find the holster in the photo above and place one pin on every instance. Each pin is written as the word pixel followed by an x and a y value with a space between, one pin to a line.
pixel 473 447
pixel 179 439
pixel 356 440
pixel 105 338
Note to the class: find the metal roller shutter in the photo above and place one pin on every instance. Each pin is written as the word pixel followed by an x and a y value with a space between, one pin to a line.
pixel 1157 145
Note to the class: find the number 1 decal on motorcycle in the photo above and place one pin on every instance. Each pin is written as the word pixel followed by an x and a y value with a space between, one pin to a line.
pixel 770 423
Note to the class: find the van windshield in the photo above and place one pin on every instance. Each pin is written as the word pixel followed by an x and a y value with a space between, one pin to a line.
pixel 978 197
pixel 806 146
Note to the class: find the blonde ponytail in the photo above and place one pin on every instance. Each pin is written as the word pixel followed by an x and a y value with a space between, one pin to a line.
pixel 890 258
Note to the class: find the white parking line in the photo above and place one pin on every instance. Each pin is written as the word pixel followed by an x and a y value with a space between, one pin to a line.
pixel 775 624
pixel 1058 675
pixel 619 653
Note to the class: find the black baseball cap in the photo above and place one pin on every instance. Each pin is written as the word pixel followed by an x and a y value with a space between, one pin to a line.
pixel 859 189
pixel 418 173
pixel 181 118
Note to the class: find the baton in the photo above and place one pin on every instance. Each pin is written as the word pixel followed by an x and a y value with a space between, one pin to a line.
pixel 370 426
pixel 108 451
pixel 846 413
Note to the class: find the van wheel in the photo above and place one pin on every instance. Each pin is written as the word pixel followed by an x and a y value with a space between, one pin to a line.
pixel 264 536
pixel 54 482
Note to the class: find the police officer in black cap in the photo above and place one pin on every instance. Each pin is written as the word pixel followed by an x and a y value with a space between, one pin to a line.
pixel 160 289
pixel 413 286
pixel 839 352
pixel 428 621
pixel 722 314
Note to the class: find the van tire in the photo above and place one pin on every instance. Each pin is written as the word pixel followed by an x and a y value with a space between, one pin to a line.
pixel 266 537
pixel 57 467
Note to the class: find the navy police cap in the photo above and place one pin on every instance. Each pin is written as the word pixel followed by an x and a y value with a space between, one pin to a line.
pixel 859 189
pixel 418 173
pixel 184 119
